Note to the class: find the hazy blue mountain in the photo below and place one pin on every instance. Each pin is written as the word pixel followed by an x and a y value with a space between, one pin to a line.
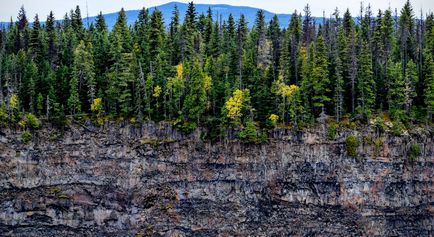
pixel 220 11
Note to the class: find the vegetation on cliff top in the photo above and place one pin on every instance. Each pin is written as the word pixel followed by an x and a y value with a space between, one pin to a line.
pixel 203 72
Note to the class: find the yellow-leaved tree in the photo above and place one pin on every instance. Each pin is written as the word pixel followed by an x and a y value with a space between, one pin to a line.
pixel 97 108
pixel 238 103
pixel 287 94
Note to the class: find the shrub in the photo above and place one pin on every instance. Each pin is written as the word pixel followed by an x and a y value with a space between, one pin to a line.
pixel 272 120
pixel 33 121
pixel 4 117
pixel 351 144
pixel 414 152
pixel 331 131
pixel 378 143
pixel 249 133
pixel 398 128
pixel 26 136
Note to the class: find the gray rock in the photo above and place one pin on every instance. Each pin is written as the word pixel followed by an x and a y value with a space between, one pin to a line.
pixel 123 180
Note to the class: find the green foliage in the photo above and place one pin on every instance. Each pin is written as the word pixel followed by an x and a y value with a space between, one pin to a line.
pixel 74 103
pixel 398 128
pixel 32 121
pixel 332 131
pixel 196 99
pixel 249 132
pixel 194 71
pixel 4 117
pixel 414 152
pixel 26 136
pixel 352 143
pixel 366 84
pixel 378 143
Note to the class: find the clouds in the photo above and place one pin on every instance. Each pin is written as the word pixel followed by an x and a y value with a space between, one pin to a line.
pixel 9 8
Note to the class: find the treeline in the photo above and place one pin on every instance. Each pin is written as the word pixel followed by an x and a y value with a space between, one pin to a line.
pixel 213 73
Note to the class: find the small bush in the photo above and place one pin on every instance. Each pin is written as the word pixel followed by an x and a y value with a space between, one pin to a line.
pixel 4 116
pixel 185 127
pixel 332 131
pixel 398 128
pixel 378 143
pixel 368 140
pixel 26 137
pixel 414 152
pixel 33 121
pixel 351 144
pixel 249 133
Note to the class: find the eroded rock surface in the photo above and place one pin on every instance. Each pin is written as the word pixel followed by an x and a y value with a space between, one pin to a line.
pixel 127 180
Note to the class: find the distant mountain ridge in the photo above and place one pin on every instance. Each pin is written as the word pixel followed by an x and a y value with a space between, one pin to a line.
pixel 220 11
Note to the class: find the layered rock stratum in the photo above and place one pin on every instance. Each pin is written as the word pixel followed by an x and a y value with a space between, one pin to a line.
pixel 150 180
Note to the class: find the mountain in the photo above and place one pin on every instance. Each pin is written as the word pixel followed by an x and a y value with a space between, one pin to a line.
pixel 220 11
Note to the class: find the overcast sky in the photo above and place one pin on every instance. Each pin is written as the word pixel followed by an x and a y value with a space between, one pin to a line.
pixel 9 8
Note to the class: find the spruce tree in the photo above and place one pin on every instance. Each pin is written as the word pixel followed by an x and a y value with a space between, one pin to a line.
pixel 84 70
pixel 320 77
pixel 74 103
pixel 52 40
pixel 365 83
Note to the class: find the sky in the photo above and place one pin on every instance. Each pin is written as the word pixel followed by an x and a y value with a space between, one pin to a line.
pixel 9 8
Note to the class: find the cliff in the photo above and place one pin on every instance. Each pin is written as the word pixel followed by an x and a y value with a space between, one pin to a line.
pixel 127 180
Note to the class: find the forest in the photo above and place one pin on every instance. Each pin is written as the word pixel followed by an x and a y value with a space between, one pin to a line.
pixel 376 67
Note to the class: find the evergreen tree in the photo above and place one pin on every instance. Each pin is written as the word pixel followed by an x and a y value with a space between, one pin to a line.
pixel 320 77
pixel 365 83
pixel 275 37
pixel 157 34
pixel 35 43
pixel 174 47
pixel 77 22
pixel 242 32
pixel 406 41
pixel 52 39
pixel 74 103
pixel 308 27
pixel 84 71
pixel 22 31
pixel 122 71
pixel 411 80
pixel 397 90
pixel 429 88
pixel 196 98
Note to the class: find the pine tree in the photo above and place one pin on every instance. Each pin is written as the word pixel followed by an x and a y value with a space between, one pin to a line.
pixel 84 70
pixel 320 77
pixel 295 35
pixel 157 34
pixel 429 87
pixel 306 84
pixel 22 31
pixel 74 103
pixel 406 41
pixel 122 71
pixel 275 35
pixel 308 27
pixel 100 48
pixel 397 90
pixel 77 23
pixel 242 32
pixel 410 80
pixel 31 77
pixel 52 39
pixel 188 33
pixel 365 83
pixel 174 35
pixel 35 43
pixel 196 99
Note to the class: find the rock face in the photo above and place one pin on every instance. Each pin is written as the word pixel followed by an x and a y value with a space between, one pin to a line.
pixel 126 180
